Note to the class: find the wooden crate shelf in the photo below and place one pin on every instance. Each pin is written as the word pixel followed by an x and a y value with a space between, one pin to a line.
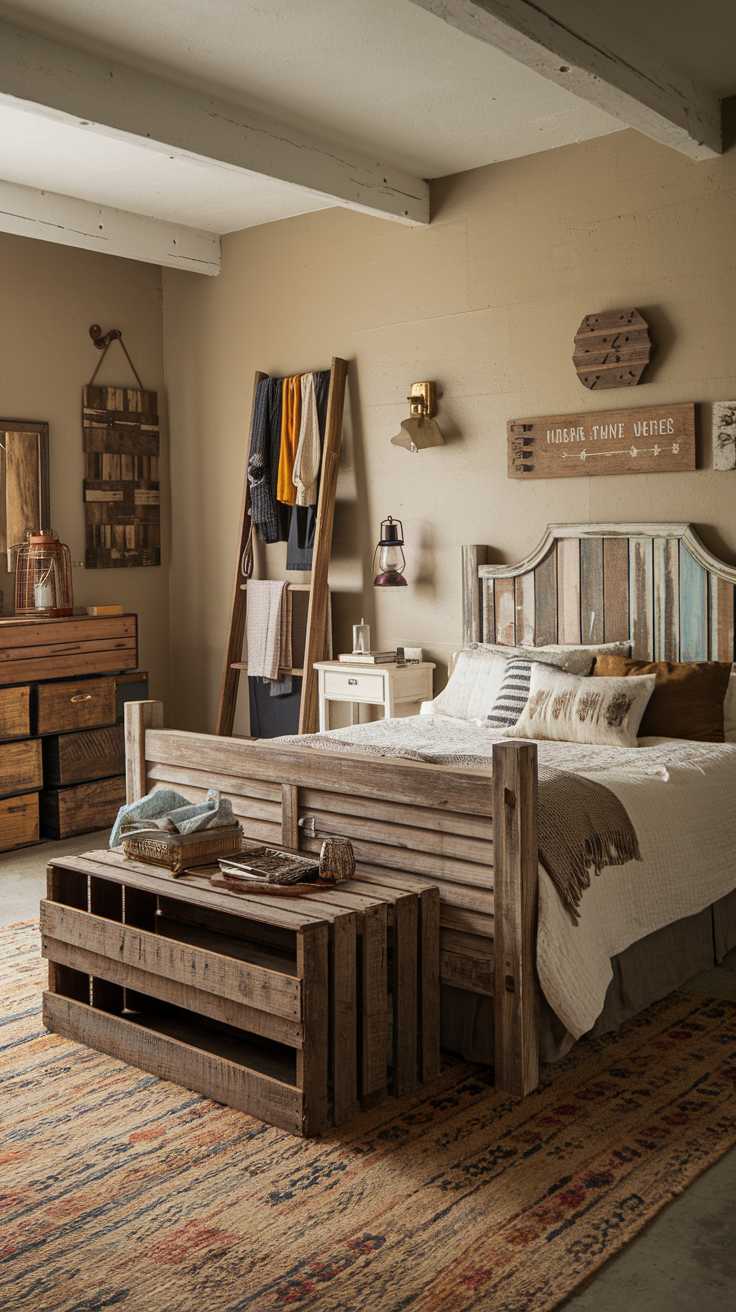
pixel 297 1012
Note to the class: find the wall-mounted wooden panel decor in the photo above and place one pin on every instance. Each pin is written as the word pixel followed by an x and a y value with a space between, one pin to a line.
pixel 612 349
pixel 655 439
pixel 24 482
pixel 121 485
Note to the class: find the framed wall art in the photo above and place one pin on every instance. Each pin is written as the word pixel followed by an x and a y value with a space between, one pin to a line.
pixel 25 502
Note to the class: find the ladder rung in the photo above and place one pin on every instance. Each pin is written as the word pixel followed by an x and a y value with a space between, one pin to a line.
pixel 241 665
pixel 293 587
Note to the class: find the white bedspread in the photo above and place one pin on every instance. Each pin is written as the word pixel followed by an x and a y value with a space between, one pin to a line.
pixel 681 797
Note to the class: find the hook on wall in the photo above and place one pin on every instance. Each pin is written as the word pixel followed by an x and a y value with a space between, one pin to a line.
pixel 103 340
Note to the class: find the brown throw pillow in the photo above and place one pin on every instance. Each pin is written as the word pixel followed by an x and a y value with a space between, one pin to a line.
pixel 688 696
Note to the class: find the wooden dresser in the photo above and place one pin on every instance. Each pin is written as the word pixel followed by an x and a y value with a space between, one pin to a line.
pixel 63 686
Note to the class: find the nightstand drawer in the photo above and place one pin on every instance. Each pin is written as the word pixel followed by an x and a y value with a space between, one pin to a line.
pixel 62 707
pixel 353 686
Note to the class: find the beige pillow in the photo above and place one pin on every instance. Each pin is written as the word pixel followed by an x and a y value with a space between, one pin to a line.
pixel 567 708
pixel 479 669
pixel 565 656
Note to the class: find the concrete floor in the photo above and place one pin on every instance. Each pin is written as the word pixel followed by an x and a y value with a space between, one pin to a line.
pixel 684 1262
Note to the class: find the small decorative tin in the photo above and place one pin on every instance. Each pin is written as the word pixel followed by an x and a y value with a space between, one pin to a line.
pixel 336 860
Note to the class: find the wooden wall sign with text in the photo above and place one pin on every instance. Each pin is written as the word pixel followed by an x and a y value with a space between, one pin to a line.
pixel 612 349
pixel 655 439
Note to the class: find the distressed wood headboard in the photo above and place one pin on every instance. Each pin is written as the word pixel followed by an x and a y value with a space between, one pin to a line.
pixel 655 584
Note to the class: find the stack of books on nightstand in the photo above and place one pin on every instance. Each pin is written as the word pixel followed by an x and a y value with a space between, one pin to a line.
pixel 369 658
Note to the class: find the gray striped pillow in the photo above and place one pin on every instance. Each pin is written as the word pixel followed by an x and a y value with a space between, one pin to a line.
pixel 513 695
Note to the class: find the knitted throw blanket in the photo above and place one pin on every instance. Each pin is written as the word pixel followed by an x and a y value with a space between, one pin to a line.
pixel 581 827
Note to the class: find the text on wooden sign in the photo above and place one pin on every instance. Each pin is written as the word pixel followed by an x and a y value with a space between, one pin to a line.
pixel 646 440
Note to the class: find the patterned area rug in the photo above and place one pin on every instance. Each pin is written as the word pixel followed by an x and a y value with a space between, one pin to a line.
pixel 118 1190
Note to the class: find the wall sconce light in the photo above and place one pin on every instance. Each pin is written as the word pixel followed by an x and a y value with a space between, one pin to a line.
pixel 421 429
pixel 391 558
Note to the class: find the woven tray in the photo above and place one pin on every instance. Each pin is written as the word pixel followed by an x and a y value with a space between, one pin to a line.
pixel 176 852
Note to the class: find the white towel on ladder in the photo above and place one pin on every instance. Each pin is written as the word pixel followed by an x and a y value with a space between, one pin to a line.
pixel 266 627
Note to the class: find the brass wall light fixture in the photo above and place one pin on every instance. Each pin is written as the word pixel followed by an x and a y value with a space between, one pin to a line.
pixel 421 429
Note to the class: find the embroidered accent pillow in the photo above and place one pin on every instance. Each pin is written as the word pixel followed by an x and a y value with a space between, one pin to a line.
pixel 600 712
pixel 512 695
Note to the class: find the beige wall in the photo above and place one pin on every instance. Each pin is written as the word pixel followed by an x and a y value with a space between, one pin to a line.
pixel 487 301
pixel 52 294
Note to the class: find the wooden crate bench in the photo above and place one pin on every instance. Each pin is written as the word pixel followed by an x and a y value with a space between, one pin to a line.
pixel 293 1010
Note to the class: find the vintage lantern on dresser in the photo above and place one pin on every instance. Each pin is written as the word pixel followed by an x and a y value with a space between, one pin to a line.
pixel 43 577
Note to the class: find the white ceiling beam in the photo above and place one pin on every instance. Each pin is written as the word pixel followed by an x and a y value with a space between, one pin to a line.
pixel 71 222
pixel 117 101
pixel 627 82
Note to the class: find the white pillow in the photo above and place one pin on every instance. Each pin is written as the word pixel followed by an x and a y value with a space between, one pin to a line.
pixel 566 708
pixel 473 685
pixel 575 658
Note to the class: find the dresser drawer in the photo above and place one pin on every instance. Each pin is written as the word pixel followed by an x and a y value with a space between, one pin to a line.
pixel 73 758
pixel 353 687
pixel 15 712
pixel 62 707
pixel 18 821
pixel 32 650
pixel 81 808
pixel 20 766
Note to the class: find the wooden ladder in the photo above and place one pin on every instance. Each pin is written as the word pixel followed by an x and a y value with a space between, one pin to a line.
pixel 315 647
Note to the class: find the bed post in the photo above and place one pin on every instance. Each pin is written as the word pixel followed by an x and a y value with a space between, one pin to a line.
pixel 516 1003
pixel 472 609
pixel 139 716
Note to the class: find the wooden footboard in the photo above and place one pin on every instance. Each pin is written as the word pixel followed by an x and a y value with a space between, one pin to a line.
pixel 472 833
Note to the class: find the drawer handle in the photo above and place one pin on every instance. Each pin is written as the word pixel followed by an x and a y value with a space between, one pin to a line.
pixel 81 697
pixel 352 683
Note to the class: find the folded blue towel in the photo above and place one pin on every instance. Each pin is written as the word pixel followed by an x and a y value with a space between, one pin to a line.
pixel 187 817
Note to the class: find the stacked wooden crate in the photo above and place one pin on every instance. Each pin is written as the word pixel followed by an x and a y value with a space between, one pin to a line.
pixel 63 684
pixel 21 770
pixel 296 1010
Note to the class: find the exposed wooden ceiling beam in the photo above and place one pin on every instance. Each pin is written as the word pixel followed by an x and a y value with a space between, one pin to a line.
pixel 71 222
pixel 114 100
pixel 627 82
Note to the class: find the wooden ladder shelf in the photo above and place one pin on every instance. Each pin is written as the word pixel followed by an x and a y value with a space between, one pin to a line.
pixel 315 647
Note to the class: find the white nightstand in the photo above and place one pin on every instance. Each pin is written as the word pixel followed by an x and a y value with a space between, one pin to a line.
pixel 399 689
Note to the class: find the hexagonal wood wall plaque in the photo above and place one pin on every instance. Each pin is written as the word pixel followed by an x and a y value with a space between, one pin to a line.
pixel 612 349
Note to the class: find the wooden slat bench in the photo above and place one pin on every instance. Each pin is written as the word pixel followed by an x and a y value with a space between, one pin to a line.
pixel 297 1011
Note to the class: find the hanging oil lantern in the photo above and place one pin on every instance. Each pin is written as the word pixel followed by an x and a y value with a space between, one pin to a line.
pixel 390 552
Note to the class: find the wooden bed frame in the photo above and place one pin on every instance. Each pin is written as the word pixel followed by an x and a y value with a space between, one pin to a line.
pixel 473 833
